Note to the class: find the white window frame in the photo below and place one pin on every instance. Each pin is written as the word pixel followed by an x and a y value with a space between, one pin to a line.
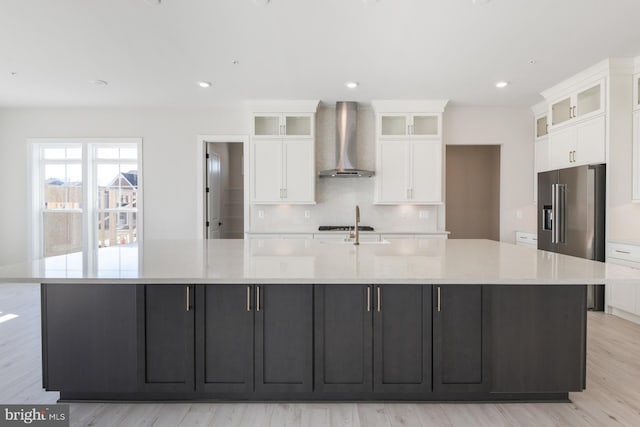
pixel 90 204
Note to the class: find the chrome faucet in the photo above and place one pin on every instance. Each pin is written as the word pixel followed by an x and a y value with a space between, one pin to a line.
pixel 356 230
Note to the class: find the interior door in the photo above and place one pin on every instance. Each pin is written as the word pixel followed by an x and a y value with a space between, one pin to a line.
pixel 214 184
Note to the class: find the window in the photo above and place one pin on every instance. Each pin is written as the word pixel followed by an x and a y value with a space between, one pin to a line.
pixel 86 194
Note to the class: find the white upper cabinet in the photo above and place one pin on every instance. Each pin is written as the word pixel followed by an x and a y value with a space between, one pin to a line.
pixel 283 125
pixel 636 92
pixel 636 156
pixel 282 152
pixel 398 125
pixel 408 152
pixel 541 126
pixel 410 172
pixel 588 101
pixel 582 144
pixel 283 172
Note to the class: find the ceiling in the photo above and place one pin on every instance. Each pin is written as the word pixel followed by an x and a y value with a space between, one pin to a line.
pixel 153 54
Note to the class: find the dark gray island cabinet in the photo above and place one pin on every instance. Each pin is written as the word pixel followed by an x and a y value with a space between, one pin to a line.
pixel 112 341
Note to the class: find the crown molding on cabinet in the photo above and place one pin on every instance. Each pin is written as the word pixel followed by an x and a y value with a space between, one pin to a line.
pixel 283 106
pixel 540 108
pixel 599 70
pixel 410 105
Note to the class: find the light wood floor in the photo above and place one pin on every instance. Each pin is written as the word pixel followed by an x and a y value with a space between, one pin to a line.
pixel 612 397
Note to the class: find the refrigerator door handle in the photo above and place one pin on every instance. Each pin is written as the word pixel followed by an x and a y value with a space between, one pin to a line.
pixel 554 213
pixel 561 193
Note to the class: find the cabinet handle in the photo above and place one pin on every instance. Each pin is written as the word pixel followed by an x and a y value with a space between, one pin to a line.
pixel 368 298
pixel 574 111
pixel 188 298
pixel 379 299
pixel 257 298
pixel 570 157
pixel 248 298
pixel 438 291
pixel 622 252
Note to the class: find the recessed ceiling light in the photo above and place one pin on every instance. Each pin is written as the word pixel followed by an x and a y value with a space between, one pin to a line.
pixel 235 62
pixel 352 85
pixel 13 73
pixel 204 84
pixel 532 61
pixel 502 84
pixel 100 82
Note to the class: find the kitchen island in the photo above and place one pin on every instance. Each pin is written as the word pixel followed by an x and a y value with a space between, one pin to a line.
pixel 298 319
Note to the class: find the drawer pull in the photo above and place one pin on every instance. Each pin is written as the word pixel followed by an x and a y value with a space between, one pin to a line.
pixel 622 252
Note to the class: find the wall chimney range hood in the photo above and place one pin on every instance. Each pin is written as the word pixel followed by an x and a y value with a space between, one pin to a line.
pixel 346 149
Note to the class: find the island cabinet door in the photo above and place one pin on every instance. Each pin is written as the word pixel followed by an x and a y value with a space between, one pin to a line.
pixel 224 341
pixel 89 337
pixel 284 338
pixel 343 338
pixel 168 338
pixel 402 338
pixel 538 338
pixel 460 325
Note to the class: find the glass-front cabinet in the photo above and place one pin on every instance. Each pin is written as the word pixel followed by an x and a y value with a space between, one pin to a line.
pixel 282 125
pixel 636 91
pixel 586 102
pixel 409 125
pixel 542 126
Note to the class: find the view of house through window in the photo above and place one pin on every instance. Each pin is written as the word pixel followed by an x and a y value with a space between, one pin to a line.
pixel 88 195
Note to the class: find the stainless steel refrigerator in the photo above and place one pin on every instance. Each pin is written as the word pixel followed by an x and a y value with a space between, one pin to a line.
pixel 571 217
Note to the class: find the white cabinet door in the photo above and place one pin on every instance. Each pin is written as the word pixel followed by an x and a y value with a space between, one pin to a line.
pixel 561 146
pixel 425 125
pixel 299 172
pixel 266 160
pixel 267 125
pixel 393 125
pixel 586 102
pixel 298 125
pixel 393 172
pixel 636 156
pixel 541 126
pixel 623 296
pixel 590 142
pixel 636 92
pixel 426 172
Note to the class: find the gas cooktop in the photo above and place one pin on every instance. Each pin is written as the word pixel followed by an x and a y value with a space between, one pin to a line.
pixel 344 228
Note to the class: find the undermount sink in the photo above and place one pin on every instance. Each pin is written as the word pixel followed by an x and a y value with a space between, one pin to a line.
pixel 350 242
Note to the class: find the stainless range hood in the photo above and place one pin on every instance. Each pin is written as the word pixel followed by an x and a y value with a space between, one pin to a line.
pixel 346 149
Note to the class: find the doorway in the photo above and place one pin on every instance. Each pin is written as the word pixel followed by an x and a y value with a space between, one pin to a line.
pixel 473 191
pixel 224 190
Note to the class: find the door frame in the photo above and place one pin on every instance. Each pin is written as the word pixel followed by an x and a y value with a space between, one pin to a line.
pixel 201 170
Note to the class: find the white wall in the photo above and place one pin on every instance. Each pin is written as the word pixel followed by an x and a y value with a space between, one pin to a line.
pixel 169 156
pixel 512 128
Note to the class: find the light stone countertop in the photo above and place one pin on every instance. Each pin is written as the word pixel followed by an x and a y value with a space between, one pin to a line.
pixel 256 261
